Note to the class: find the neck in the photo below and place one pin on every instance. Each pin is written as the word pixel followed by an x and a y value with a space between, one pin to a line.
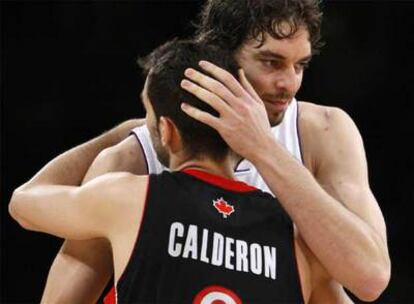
pixel 222 168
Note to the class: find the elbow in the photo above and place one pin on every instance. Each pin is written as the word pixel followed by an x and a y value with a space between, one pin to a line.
pixel 374 284
pixel 16 209
pixel 14 205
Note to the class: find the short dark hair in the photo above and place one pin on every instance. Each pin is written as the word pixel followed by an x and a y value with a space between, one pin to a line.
pixel 165 68
pixel 230 23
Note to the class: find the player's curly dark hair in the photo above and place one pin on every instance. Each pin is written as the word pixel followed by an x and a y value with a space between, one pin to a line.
pixel 165 68
pixel 229 23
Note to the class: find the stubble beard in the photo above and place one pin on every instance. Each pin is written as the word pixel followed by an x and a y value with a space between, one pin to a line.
pixel 160 151
pixel 276 119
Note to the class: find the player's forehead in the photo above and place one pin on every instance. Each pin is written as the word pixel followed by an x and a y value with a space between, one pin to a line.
pixel 296 47
pixel 146 100
pixel 144 95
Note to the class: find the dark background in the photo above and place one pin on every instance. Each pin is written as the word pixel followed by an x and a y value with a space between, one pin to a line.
pixel 68 73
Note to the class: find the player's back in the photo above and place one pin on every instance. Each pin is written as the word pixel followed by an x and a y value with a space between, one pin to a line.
pixel 204 238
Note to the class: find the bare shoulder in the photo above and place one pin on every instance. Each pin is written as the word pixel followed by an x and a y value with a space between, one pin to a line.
pixel 319 118
pixel 325 132
pixel 125 156
pixel 114 200
pixel 123 182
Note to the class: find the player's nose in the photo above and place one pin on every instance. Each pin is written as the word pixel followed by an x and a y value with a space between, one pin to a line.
pixel 287 80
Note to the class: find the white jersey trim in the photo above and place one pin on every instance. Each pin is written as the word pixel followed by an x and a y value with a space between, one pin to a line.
pixel 144 139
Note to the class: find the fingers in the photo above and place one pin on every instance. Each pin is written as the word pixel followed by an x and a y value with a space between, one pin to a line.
pixel 211 85
pixel 208 97
pixel 248 86
pixel 201 116
pixel 224 77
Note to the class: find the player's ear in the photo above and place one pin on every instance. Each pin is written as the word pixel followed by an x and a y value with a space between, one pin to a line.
pixel 169 134
pixel 164 126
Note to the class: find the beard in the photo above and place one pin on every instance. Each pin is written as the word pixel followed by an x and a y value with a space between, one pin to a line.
pixel 275 115
pixel 162 156
pixel 162 153
pixel 276 118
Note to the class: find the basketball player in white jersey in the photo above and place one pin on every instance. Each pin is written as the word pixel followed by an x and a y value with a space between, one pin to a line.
pixel 312 158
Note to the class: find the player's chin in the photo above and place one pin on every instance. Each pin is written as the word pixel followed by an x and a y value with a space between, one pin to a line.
pixel 275 118
pixel 275 115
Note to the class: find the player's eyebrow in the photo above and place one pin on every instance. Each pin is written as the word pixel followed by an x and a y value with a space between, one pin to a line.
pixel 271 54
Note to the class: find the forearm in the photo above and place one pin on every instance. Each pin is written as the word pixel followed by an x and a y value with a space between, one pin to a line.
pixel 70 167
pixel 79 272
pixel 329 292
pixel 349 248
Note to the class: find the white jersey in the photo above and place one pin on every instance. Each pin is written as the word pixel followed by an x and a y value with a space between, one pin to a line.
pixel 286 133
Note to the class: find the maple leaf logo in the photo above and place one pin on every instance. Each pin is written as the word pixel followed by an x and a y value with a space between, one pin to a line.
pixel 223 207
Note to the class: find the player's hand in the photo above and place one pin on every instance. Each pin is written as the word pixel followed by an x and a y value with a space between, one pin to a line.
pixel 242 121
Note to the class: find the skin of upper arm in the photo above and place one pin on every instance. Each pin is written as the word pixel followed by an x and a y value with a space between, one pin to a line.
pixel 85 212
pixel 84 267
pixel 336 154
pixel 126 156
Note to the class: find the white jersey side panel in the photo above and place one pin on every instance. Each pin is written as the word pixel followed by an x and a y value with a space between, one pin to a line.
pixel 286 134
pixel 144 139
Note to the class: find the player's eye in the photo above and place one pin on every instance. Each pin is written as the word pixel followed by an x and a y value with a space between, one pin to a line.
pixel 270 63
pixel 301 66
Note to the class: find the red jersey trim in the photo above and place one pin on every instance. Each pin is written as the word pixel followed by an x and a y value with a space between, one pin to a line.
pixel 222 182
pixel 110 298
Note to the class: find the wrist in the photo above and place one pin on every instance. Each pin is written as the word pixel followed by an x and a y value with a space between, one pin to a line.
pixel 263 152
